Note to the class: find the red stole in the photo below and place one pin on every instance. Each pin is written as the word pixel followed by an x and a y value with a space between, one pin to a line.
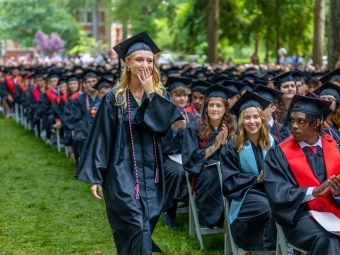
pixel 190 109
pixel 11 85
pixel 304 175
pixel 75 95
pixel 61 97
pixel 50 95
pixel 36 93
pixel 23 87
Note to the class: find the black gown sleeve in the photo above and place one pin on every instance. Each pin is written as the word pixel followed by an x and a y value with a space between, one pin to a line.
pixel 98 147
pixel 77 115
pixel 235 182
pixel 158 115
pixel 193 157
pixel 284 195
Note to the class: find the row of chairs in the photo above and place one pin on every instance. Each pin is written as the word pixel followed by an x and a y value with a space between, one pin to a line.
pixel 229 245
pixel 19 115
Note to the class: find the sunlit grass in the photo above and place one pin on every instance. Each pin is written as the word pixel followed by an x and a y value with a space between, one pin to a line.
pixel 45 210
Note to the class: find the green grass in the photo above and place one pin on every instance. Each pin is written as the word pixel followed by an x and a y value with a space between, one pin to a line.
pixel 45 210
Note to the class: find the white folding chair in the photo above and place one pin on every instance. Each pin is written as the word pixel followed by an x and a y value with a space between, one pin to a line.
pixel 1 109
pixel 194 225
pixel 281 244
pixel 60 145
pixel 17 113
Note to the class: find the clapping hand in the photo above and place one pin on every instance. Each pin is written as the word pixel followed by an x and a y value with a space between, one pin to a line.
pixel 334 183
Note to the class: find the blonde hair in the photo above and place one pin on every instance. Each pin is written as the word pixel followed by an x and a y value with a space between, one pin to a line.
pixel 242 137
pixel 205 128
pixel 124 82
pixel 180 91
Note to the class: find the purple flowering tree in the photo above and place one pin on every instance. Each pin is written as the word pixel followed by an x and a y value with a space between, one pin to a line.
pixel 48 44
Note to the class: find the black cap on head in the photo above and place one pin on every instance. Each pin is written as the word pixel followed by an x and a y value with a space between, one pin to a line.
pixel 219 91
pixel 331 76
pixel 72 77
pixel 248 86
pixel 328 88
pixel 200 86
pixel 103 83
pixel 297 74
pixel 285 77
pixel 220 79
pixel 39 74
pixel 261 82
pixel 175 82
pixel 61 81
pixel 234 85
pixel 108 75
pixel 270 94
pixel 247 100
pixel 172 70
pixel 141 41
pixel 249 77
pixel 310 105
pixel 52 75
pixel 89 73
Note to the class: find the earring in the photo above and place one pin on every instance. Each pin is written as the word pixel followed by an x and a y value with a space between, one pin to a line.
pixel 128 69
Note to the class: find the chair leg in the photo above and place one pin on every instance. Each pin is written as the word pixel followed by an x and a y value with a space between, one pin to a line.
pixel 58 141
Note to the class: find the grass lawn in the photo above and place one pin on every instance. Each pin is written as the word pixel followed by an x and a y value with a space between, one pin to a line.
pixel 45 210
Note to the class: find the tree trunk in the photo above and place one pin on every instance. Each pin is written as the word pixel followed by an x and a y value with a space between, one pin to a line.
pixel 334 35
pixel 213 27
pixel 319 31
pixel 95 20
pixel 125 29
pixel 256 46
pixel 266 58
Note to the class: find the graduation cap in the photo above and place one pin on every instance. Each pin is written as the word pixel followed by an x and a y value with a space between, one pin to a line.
pixel 310 105
pixel 52 75
pixel 172 70
pixel 270 94
pixel 141 41
pixel 89 73
pixel 38 74
pixel 297 74
pixel 219 91
pixel 72 77
pixel 285 77
pixel 220 79
pixel 247 100
pixel 234 85
pixel 108 75
pixel 328 88
pixel 61 81
pixel 77 69
pixel 248 85
pixel 103 83
pixel 200 86
pixel 331 76
pixel 249 76
pixel 176 82
pixel 261 82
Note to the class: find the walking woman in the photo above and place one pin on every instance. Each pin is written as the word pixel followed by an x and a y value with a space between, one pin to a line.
pixel 252 225
pixel 202 143
pixel 122 156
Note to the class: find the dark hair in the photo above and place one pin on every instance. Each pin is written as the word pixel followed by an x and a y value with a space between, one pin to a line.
pixel 313 122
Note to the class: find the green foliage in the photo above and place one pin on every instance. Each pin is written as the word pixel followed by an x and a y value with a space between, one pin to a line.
pixel 45 210
pixel 20 19
pixel 87 44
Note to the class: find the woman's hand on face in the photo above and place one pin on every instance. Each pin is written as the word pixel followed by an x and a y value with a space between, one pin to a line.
pixel 145 79
pixel 97 191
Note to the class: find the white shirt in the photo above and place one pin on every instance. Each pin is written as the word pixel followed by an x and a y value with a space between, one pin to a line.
pixel 271 122
pixel 309 194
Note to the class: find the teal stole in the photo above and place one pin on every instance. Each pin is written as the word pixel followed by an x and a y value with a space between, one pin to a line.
pixel 248 166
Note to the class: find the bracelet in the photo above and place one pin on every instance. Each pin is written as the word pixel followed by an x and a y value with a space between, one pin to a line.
pixel 211 150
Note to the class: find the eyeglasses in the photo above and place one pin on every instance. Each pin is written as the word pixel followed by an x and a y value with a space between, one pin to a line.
pixel 298 122
pixel 329 99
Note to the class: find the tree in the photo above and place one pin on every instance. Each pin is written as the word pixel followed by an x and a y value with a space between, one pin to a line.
pixel 319 31
pixel 21 19
pixel 213 27
pixel 334 35
pixel 48 44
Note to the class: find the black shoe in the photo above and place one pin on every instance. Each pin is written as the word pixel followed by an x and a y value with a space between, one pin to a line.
pixel 169 222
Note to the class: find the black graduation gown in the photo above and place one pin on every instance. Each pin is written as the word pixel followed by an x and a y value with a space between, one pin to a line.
pixel 208 195
pixel 333 131
pixel 81 116
pixel 66 119
pixel 254 228
pixel 286 201
pixel 107 160
pixel 279 132
pixel 44 111
pixel 32 104
pixel 176 187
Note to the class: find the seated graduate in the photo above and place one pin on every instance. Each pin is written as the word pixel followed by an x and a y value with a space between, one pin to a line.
pixel 81 117
pixel 202 143
pixel 44 108
pixel 252 224
pixel 275 128
pixel 175 183
pixel 302 174
pixel 59 105
pixel 331 92
pixel 197 97
pixel 103 86
pixel 123 152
